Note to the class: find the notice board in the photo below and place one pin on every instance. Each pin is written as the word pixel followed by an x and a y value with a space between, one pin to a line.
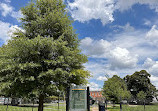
pixel 78 98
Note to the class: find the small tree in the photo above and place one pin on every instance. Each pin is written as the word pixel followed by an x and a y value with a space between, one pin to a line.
pixel 45 57
pixel 141 97
pixel 115 89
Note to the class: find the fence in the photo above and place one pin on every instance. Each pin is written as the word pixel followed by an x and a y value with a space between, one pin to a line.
pixel 47 107
pixel 127 107
pixel 5 105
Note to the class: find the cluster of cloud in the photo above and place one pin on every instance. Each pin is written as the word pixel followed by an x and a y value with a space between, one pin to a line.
pixel 92 9
pixel 117 57
pixel 122 58
pixel 104 9
pixel 102 78
pixel 101 48
pixel 7 31
pixel 154 80
pixel 152 35
pixel 5 27
pixel 8 1
pixel 7 9
pixel 127 4
pixel 94 87
pixel 116 52
pixel 127 52
pixel 125 49
pixel 151 66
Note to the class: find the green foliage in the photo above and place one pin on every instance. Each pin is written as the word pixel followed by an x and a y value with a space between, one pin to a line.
pixel 48 18
pixel 45 57
pixel 115 89
pixel 53 98
pixel 141 96
pixel 140 81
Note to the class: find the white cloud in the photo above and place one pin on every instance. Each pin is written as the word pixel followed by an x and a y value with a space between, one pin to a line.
pixel 116 56
pixel 102 78
pixel 122 58
pixel 99 68
pixel 94 87
pixel 5 9
pixel 13 29
pixel 121 55
pixel 148 63
pixel 152 35
pixel 95 48
pixel 83 11
pixel 7 31
pixel 4 30
pixel 126 28
pixel 136 43
pixel 151 66
pixel 96 68
pixel 127 4
pixel 154 80
pixel 147 22
pixel 17 14
pixel 8 1
pixel 154 69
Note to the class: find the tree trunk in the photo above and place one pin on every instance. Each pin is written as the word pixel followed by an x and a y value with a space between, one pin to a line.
pixel 144 105
pixel 113 104
pixel 58 102
pixel 4 101
pixel 40 106
pixel 120 106
pixel 7 104
pixel 106 106
pixel 67 99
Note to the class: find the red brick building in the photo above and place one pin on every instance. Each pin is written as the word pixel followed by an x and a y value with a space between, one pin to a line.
pixel 97 95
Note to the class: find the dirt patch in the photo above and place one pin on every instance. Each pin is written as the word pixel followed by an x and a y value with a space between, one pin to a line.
pixel 96 109
pixel 132 105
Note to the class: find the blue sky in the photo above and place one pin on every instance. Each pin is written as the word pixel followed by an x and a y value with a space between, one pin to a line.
pixel 119 36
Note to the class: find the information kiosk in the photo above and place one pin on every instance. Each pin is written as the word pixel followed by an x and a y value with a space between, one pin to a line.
pixel 78 98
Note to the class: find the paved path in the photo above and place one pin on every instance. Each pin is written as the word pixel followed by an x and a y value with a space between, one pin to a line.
pixel 95 109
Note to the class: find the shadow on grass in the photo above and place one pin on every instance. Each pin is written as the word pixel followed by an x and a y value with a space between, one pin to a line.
pixel 114 107
pixel 26 105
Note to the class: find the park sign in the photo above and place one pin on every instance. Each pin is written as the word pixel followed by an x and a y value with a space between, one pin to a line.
pixel 78 98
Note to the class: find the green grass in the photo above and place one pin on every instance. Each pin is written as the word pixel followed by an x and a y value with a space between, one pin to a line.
pixel 135 108
pixel 48 107
pixel 54 107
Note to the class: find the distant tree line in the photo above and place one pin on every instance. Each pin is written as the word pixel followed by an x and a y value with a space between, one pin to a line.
pixel 136 88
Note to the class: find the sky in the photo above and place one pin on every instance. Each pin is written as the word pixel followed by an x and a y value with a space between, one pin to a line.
pixel 118 36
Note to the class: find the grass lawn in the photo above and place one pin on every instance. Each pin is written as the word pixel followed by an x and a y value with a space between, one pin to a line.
pixel 153 107
pixel 48 107
pixel 62 107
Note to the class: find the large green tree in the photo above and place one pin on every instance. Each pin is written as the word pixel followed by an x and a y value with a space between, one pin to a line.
pixel 45 56
pixel 140 81
pixel 115 89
